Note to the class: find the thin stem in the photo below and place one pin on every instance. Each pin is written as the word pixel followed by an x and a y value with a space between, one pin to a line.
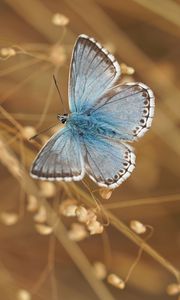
pixel 22 83
pixel 48 100
pixel 144 201
pixel 120 226
pixel 76 254
pixel 10 118
pixel 19 66
pixel 147 248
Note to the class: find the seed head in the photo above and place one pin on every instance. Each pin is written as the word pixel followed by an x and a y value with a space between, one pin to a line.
pixel 23 295
pixel 68 208
pixel 41 215
pixel 137 227
pixel 7 52
pixel 94 227
pixel 60 20
pixel 48 189
pixel 32 203
pixel 105 193
pixel 43 229
pixel 77 232
pixel 9 218
pixel 100 270
pixel 173 289
pixel 28 132
pixel 116 281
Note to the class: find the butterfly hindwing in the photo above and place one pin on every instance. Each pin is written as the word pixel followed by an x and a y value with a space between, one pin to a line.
pixel 107 161
pixel 93 70
pixel 60 158
pixel 127 108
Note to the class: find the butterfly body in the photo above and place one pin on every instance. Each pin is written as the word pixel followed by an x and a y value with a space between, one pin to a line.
pixel 88 126
pixel 103 118
pixel 81 123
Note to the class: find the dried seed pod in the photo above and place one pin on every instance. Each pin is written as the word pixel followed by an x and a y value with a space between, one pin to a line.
pixel 7 52
pixel 91 216
pixel 95 227
pixel 60 20
pixel 23 295
pixel 48 189
pixel 100 270
pixel 68 208
pixel 116 281
pixel 70 211
pixel 57 55
pixel 43 229
pixel 82 214
pixel 41 215
pixel 85 215
pixel 137 227
pixel 77 232
pixel 127 70
pixel 9 218
pixel 32 203
pixel 173 289
pixel 105 193
pixel 28 132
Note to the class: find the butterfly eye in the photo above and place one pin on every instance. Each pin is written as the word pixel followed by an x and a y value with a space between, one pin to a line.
pixel 62 118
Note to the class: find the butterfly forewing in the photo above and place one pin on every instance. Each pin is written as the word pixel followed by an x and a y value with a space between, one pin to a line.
pixel 93 70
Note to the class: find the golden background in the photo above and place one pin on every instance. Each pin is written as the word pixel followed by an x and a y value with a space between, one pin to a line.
pixel 144 35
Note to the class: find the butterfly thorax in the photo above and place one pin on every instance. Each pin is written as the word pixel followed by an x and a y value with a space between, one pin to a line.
pixel 81 123
pixel 87 126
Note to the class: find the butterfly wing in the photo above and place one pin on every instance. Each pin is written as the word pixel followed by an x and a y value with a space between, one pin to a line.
pixel 93 70
pixel 127 109
pixel 60 158
pixel 108 162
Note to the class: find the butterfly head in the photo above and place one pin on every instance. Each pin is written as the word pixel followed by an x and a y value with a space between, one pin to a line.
pixel 63 118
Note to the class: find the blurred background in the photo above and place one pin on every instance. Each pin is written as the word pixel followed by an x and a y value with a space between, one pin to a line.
pixel 36 41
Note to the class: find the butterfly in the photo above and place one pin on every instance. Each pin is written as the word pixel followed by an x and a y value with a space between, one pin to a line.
pixel 103 118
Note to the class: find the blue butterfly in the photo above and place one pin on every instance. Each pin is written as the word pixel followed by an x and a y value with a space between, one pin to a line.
pixel 103 118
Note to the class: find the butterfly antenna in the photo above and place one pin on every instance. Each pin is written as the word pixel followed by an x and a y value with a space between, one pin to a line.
pixel 36 135
pixel 54 78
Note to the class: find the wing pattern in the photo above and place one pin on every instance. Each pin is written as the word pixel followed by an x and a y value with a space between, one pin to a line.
pixel 60 158
pixel 93 70
pixel 129 109
pixel 108 162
